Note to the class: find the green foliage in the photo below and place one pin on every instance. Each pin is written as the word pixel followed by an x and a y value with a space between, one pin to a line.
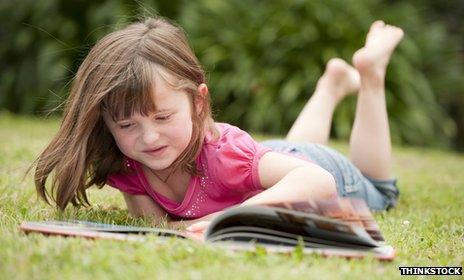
pixel 263 57
pixel 46 42
pixel 264 61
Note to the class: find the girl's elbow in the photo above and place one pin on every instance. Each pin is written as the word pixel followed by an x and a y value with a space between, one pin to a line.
pixel 329 185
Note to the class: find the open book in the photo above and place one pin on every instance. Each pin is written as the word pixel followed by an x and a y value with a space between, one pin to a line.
pixel 337 227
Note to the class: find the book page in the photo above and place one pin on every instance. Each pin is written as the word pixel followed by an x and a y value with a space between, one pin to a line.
pixel 86 228
pixel 281 219
pixel 351 210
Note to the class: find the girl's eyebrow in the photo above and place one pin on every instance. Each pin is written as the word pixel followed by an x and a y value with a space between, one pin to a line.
pixel 121 120
pixel 167 110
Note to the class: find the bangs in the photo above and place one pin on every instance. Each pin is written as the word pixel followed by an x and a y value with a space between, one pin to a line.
pixel 134 92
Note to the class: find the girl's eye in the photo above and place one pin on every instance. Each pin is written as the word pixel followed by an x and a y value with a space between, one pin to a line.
pixel 124 126
pixel 163 118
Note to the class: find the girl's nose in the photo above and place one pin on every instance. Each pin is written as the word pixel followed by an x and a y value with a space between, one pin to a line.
pixel 150 135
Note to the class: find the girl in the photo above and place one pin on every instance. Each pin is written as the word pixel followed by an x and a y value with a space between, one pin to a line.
pixel 138 118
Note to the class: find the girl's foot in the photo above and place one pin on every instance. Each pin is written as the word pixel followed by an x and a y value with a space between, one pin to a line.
pixel 339 79
pixel 372 60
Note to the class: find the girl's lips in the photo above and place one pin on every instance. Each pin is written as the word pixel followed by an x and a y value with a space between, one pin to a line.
pixel 157 151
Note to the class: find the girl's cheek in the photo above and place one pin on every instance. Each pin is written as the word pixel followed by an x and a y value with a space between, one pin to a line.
pixel 182 131
pixel 125 141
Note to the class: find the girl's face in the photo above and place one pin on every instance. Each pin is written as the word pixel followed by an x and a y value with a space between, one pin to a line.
pixel 158 139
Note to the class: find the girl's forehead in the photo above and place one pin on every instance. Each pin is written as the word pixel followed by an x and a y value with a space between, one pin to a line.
pixel 165 93
pixel 151 91
pixel 169 99
pixel 162 90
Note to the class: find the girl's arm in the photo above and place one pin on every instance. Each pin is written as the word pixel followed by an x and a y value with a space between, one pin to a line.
pixel 286 179
pixel 182 224
pixel 142 205
pixel 291 179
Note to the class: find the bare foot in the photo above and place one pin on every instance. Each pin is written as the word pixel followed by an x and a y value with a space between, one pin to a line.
pixel 339 78
pixel 372 60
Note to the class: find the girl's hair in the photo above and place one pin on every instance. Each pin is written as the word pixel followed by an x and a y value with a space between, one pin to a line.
pixel 117 77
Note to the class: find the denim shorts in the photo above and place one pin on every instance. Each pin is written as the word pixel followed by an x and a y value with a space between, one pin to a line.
pixel 378 194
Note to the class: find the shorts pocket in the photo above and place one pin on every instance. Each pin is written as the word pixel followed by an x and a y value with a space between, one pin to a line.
pixel 351 178
pixel 352 181
pixel 388 189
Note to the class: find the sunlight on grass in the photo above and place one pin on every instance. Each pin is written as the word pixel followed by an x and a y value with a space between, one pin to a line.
pixel 427 227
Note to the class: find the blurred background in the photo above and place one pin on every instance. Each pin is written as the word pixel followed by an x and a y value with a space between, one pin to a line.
pixel 262 58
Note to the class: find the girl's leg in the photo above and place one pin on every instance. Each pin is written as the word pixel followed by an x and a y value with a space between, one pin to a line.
pixel 370 145
pixel 314 122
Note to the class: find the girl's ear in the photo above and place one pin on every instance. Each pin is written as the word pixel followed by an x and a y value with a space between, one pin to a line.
pixel 203 92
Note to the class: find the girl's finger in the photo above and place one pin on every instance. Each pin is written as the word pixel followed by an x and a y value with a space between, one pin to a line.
pixel 200 226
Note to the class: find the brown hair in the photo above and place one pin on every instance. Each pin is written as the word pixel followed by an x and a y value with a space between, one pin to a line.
pixel 117 77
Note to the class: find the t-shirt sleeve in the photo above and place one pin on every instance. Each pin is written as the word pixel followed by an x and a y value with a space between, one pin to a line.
pixel 128 183
pixel 235 164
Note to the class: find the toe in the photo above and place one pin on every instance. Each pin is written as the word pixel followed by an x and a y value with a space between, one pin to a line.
pixel 377 24
pixel 395 29
pixel 400 32
pixel 395 33
pixel 336 64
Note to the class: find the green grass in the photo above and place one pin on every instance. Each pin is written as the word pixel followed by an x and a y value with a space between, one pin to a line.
pixel 427 227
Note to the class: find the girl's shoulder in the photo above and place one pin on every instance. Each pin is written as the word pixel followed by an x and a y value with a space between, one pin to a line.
pixel 232 159
pixel 227 133
pixel 128 182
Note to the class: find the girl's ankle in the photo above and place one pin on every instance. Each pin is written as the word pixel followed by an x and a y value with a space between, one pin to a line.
pixel 328 92
pixel 373 82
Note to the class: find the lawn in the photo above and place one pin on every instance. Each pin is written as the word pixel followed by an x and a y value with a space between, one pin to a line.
pixel 427 227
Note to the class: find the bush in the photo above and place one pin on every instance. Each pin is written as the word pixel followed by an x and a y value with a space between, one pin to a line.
pixel 46 42
pixel 264 60
pixel 263 57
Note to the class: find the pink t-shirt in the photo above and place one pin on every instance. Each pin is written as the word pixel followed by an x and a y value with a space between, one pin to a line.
pixel 230 176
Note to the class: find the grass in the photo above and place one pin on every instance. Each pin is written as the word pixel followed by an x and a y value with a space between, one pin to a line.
pixel 427 227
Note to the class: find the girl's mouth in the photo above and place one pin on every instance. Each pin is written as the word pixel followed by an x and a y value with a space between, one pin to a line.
pixel 157 151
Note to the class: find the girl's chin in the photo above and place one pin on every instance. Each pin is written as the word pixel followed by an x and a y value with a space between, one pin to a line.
pixel 158 166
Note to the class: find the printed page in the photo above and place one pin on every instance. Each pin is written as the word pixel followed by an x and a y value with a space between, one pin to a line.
pixel 290 221
pixel 76 227
pixel 351 210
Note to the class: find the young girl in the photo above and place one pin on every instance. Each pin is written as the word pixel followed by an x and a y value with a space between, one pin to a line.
pixel 138 118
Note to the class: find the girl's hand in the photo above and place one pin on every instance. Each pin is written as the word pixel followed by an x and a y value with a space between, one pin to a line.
pixel 194 228
pixel 200 226
pixel 197 230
